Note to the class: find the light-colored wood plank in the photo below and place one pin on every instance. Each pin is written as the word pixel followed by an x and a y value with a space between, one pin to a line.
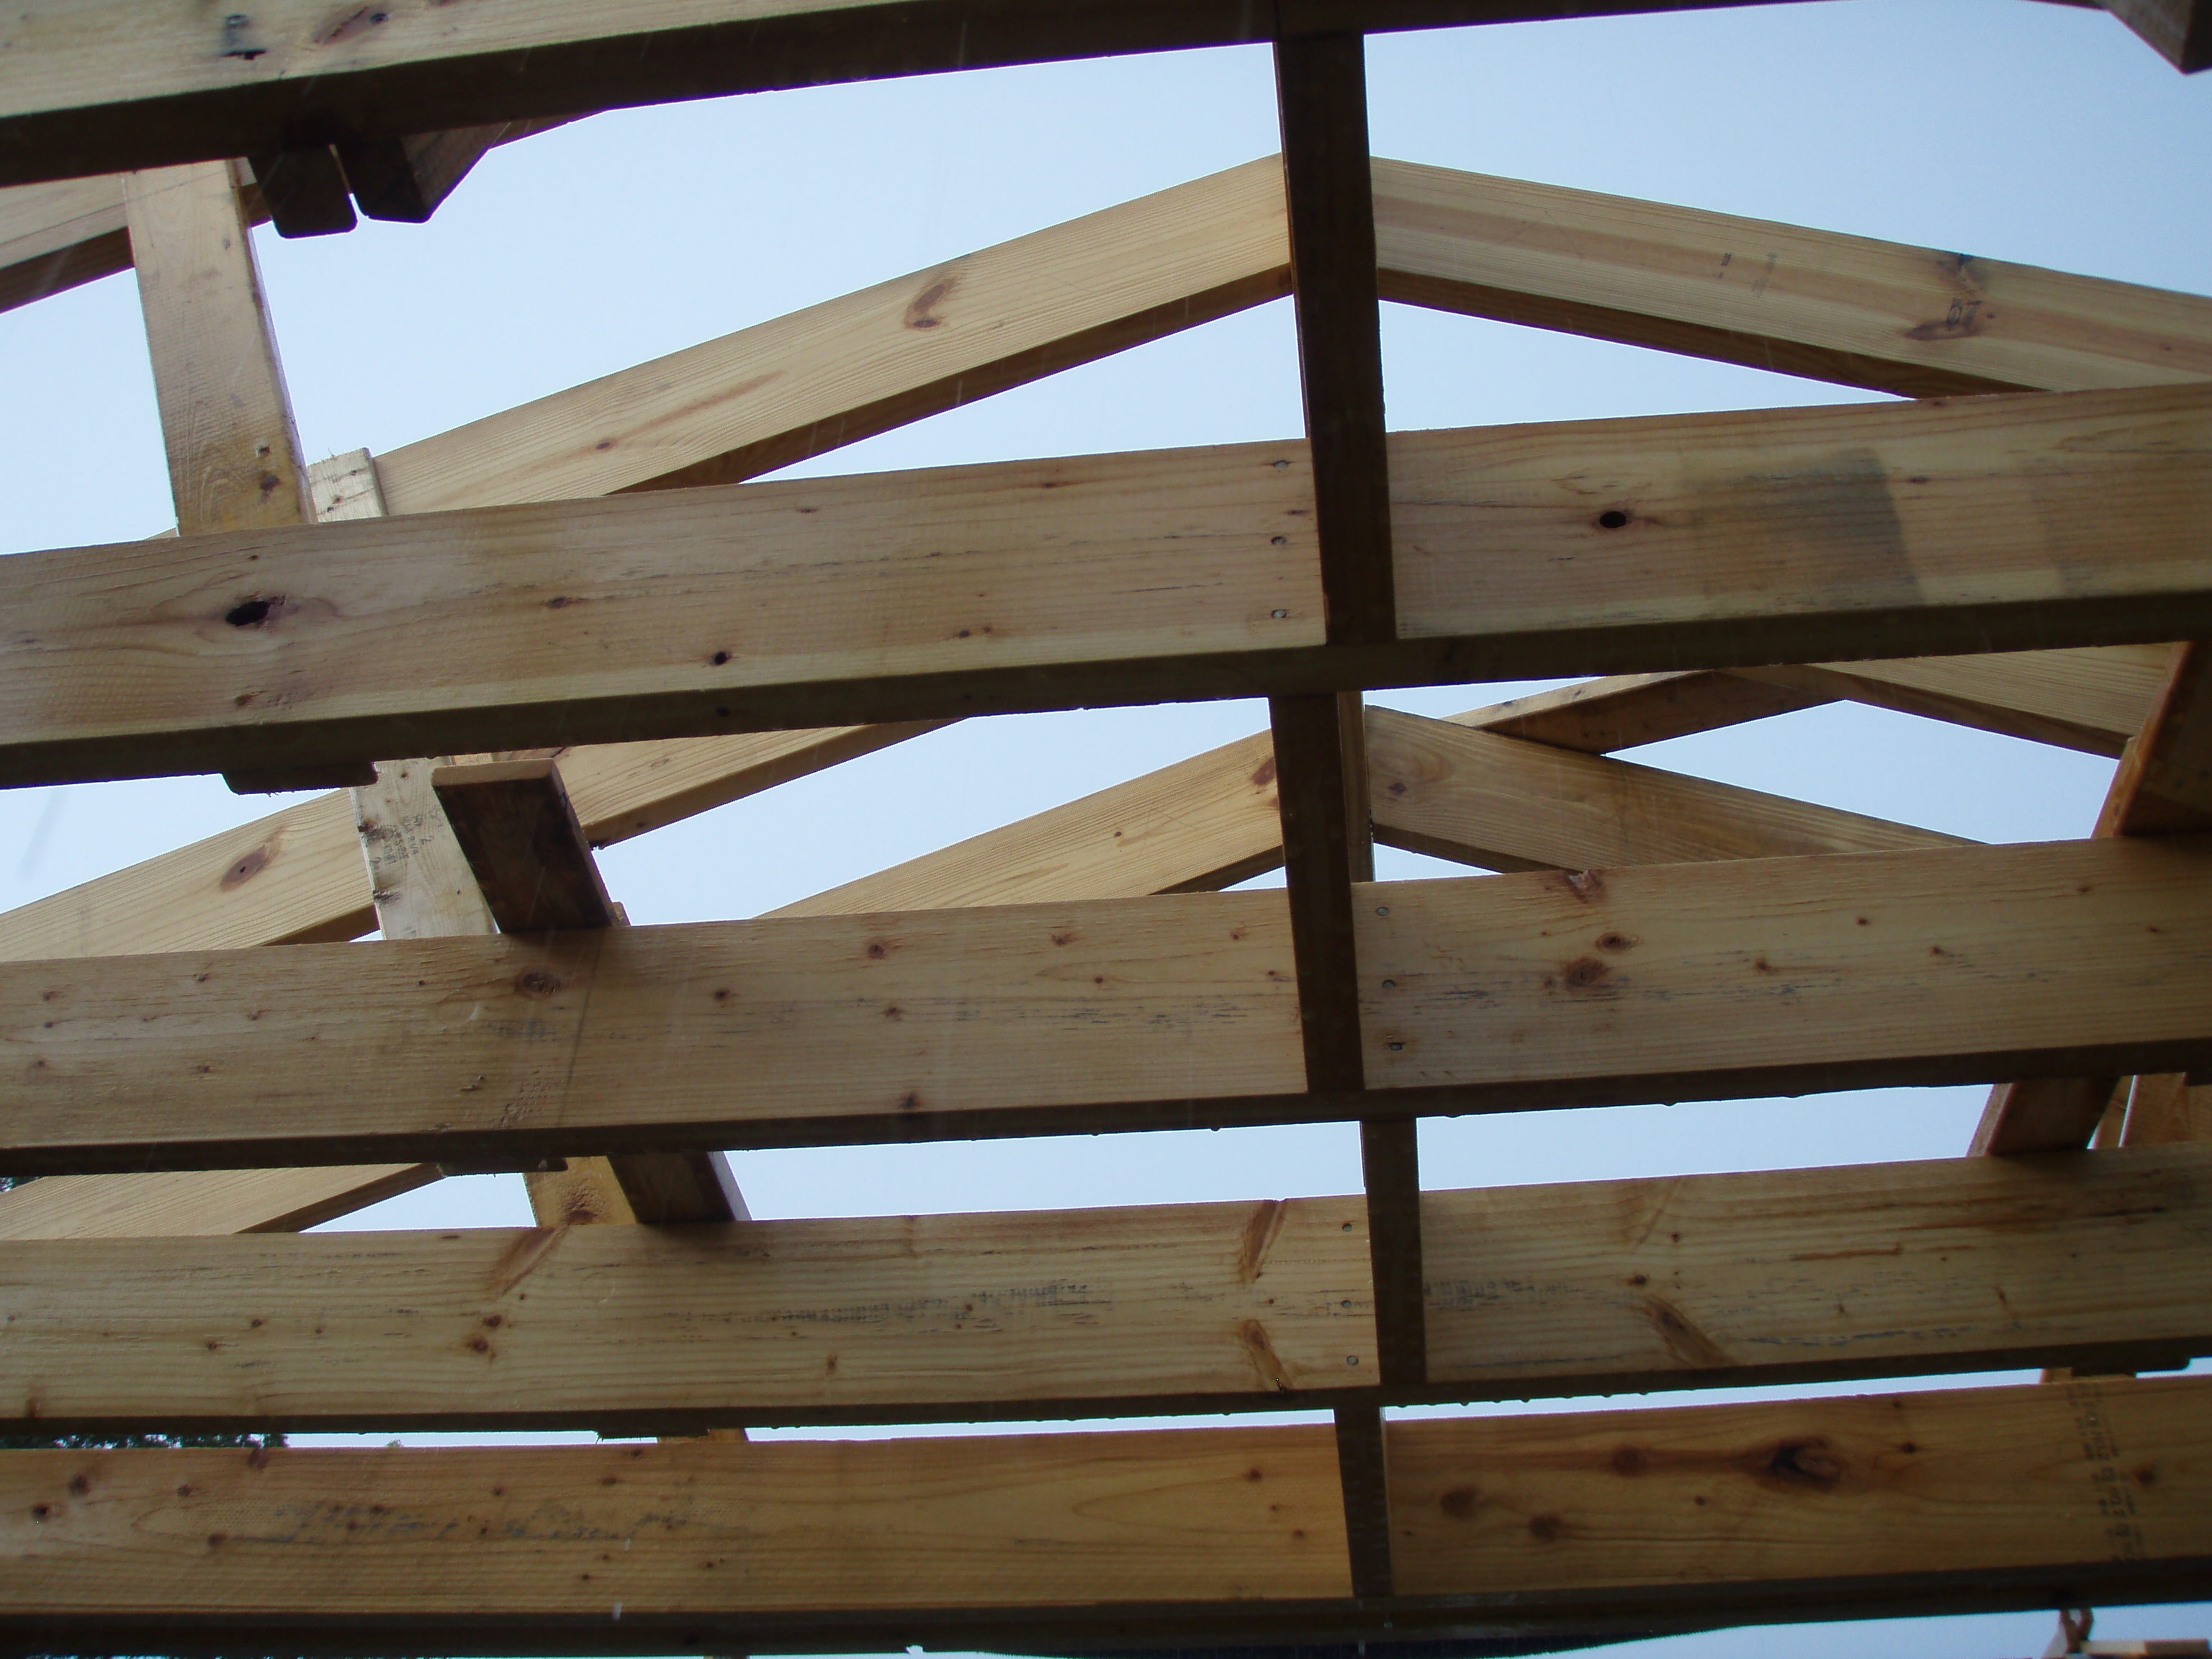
pixel 1978 1499
pixel 662 1329
pixel 1806 1275
pixel 1723 536
pixel 1810 974
pixel 1664 982
pixel 1815 303
pixel 842 371
pixel 225 417
pixel 1201 824
pixel 1798 513
pixel 1868 1494
pixel 2091 699
pixel 2163 1110
pixel 794 1526
pixel 1591 1288
pixel 1001 1017
pixel 1508 804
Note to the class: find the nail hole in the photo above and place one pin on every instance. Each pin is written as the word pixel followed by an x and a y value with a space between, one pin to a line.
pixel 1279 541
pixel 1389 984
pixel 1279 616
pixel 1613 519
pixel 1397 1048
pixel 1382 910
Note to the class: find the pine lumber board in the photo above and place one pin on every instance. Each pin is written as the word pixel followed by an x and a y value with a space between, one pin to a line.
pixel 2091 698
pixel 1508 804
pixel 470 1048
pixel 662 1329
pixel 1872 1489
pixel 1622 711
pixel 1106 578
pixel 791 1527
pixel 1735 494
pixel 1198 825
pixel 1667 981
pixel 1835 1507
pixel 1805 1275
pixel 1600 1287
pixel 1913 321
pixel 2163 1110
pixel 1592 986
pixel 834 373
pixel 233 455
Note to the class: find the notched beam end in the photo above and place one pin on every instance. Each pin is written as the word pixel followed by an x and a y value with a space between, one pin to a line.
pixel 305 191
pixel 522 839
pixel 288 779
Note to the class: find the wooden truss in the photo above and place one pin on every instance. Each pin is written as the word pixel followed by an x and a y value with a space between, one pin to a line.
pixel 578 622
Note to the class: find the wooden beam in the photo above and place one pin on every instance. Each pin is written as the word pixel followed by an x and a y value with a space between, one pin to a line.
pixel 1876 1491
pixel 1603 1287
pixel 1829 1508
pixel 1507 804
pixel 1321 89
pixel 2093 699
pixel 1846 309
pixel 1733 538
pixel 2159 788
pixel 144 86
pixel 225 417
pixel 1320 740
pixel 2180 29
pixel 1668 982
pixel 305 190
pixel 520 833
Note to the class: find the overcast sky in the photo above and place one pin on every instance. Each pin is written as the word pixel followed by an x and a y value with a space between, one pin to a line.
pixel 2001 128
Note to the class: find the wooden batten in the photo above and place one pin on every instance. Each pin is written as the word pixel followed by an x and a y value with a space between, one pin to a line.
pixel 1975 1499
pixel 1668 982
pixel 1719 544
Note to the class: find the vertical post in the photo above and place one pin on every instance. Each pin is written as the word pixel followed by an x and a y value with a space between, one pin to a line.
pixel 1320 751
pixel 225 417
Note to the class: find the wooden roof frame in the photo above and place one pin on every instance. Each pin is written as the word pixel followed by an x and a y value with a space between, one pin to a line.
pixel 1663 937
